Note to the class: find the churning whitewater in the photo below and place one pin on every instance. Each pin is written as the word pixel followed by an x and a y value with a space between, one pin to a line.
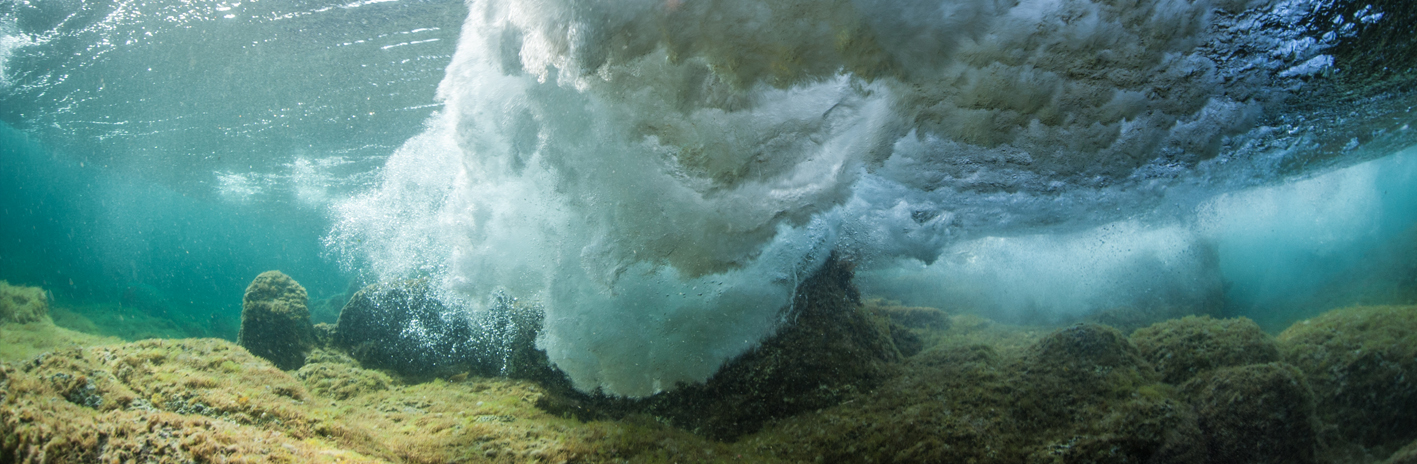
pixel 660 175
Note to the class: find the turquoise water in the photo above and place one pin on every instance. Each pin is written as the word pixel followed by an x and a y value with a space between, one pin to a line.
pixel 659 176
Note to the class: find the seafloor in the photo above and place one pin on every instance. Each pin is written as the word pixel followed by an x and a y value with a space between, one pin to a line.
pixel 851 380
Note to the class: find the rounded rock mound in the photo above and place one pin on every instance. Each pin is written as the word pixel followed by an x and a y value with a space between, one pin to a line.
pixel 275 323
pixel 1362 365
pixel 1184 348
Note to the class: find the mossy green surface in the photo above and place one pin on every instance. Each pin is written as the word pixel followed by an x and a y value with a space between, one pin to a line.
pixel 334 375
pixel 20 304
pixel 1257 413
pixel 1362 365
pixel 1183 348
pixel 1080 394
pixel 976 392
pixel 19 342
pixel 275 323
pixel 208 400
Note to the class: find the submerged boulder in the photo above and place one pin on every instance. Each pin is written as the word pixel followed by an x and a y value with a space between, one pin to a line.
pixel 1362 365
pixel 20 304
pixel 1186 347
pixel 275 323
pixel 833 349
pixel 405 328
pixel 1259 413
pixel 1078 395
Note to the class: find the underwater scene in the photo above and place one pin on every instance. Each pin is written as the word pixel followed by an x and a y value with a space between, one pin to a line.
pixel 681 231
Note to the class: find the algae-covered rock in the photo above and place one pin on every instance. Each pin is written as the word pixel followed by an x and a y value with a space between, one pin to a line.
pixel 833 348
pixel 910 326
pixel 197 400
pixel 1183 348
pixel 404 327
pixel 1362 365
pixel 1405 455
pixel 914 317
pixel 274 321
pixel 20 304
pixel 1076 365
pixel 185 401
pixel 1078 395
pixel 334 375
pixel 1258 413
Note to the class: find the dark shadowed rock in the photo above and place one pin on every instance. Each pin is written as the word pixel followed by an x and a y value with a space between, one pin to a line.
pixel 833 348
pixel 405 328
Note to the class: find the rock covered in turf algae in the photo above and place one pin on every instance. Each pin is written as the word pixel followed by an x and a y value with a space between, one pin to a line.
pixel 20 305
pixel 1079 395
pixel 1183 348
pixel 833 348
pixel 404 327
pixel 334 375
pixel 209 401
pixel 274 321
pixel 199 400
pixel 1259 413
pixel 1362 365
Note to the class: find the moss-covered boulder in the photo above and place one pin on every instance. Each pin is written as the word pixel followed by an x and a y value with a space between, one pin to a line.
pixel 1183 348
pixel 1078 395
pixel 833 348
pixel 275 323
pixel 19 304
pixel 1259 413
pixel 1076 366
pixel 1362 365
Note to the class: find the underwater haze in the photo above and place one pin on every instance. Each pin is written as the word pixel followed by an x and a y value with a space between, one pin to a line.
pixel 660 176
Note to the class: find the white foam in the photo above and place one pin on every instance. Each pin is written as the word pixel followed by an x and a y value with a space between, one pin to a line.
pixel 11 41
pixel 605 158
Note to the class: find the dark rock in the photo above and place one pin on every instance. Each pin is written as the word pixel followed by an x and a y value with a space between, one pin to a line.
pixel 1259 413
pixel 832 349
pixel 1405 455
pixel 275 323
pixel 405 328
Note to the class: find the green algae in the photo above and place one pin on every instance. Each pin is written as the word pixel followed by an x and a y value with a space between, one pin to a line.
pixel 1362 364
pixel 1192 345
pixel 275 323
pixel 20 304
pixel 1193 390
pixel 1256 413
